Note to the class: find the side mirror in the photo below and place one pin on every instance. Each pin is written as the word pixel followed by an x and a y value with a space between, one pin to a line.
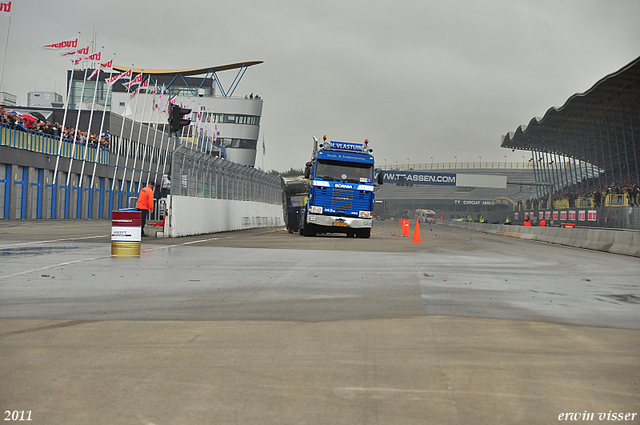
pixel 380 177
pixel 307 170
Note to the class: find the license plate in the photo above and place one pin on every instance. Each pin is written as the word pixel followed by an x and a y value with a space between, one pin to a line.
pixel 339 224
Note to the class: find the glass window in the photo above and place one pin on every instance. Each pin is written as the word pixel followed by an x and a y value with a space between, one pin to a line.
pixel 344 171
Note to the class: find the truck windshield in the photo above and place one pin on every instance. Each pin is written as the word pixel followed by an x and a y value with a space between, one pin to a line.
pixel 346 171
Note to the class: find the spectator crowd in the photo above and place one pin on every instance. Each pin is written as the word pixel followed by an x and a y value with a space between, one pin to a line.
pixel 590 189
pixel 28 123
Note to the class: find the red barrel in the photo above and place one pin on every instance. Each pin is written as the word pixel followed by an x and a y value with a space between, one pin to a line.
pixel 126 232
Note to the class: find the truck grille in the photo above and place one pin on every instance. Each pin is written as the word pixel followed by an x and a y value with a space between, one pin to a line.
pixel 342 200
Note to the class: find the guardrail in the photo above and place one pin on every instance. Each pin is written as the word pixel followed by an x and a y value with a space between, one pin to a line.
pixel 608 240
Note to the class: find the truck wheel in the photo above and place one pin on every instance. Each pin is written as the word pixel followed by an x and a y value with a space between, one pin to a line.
pixel 364 233
pixel 308 230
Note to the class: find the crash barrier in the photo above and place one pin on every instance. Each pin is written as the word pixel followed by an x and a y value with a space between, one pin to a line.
pixel 210 195
pixel 626 242
pixel 196 216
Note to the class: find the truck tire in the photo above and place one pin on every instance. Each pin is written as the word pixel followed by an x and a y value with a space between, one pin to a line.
pixel 308 230
pixel 363 233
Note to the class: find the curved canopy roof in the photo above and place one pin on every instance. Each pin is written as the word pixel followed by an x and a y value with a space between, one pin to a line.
pixel 189 72
pixel 606 118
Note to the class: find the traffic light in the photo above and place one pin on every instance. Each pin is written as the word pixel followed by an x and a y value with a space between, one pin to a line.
pixel 176 120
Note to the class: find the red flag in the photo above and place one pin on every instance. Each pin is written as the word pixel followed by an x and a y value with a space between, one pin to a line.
pixel 5 8
pixel 112 80
pixel 107 66
pixel 92 57
pixel 137 79
pixel 104 67
pixel 82 51
pixel 127 74
pixel 63 45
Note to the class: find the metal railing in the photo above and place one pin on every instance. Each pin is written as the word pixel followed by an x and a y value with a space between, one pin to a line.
pixel 460 166
pixel 201 175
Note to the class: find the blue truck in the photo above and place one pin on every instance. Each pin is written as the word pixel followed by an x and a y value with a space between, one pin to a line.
pixel 341 194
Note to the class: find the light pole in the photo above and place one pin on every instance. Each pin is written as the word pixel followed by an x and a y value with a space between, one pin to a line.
pixel 407 164
pixel 480 156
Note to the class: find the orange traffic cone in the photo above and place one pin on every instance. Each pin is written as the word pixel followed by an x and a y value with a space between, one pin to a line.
pixel 406 230
pixel 416 233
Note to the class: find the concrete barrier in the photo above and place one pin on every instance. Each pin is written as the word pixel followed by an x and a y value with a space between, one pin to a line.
pixel 197 216
pixel 626 242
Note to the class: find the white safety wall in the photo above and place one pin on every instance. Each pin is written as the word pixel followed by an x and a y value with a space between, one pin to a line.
pixel 197 216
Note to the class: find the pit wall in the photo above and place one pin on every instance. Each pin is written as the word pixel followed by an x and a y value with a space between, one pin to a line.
pixel 196 216
pixel 626 242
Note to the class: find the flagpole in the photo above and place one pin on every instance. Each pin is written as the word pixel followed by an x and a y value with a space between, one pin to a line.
pixel 146 141
pixel 155 133
pixel 133 122
pixel 64 120
pixel 86 147
pixel 4 56
pixel 164 131
pixel 75 136
pixel 162 138
pixel 104 113
pixel 115 168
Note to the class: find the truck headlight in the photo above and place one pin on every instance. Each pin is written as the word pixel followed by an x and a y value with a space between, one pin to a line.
pixel 315 209
pixel 365 214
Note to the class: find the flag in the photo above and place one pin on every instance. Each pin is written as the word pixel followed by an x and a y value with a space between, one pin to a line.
pixel 127 74
pixel 264 148
pixel 111 81
pixel 63 45
pixel 92 57
pixel 82 51
pixel 145 84
pixel 134 93
pixel 136 80
pixel 5 9
pixel 104 67
pixel 107 66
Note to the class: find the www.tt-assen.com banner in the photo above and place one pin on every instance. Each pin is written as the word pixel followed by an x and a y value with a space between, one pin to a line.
pixel 419 177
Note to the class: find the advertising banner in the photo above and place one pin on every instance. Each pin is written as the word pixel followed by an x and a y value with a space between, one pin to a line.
pixel 419 177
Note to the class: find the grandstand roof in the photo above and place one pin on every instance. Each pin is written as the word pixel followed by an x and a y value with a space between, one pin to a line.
pixel 190 72
pixel 609 108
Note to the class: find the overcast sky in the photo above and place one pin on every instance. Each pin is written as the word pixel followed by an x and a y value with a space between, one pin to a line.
pixel 419 79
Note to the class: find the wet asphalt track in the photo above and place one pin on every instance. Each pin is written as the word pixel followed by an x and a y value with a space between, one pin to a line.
pixel 261 326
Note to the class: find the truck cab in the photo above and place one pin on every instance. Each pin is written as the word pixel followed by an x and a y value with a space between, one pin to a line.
pixel 341 194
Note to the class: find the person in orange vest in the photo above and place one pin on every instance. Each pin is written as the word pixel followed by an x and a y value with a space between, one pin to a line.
pixel 542 222
pixel 145 203
pixel 527 221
